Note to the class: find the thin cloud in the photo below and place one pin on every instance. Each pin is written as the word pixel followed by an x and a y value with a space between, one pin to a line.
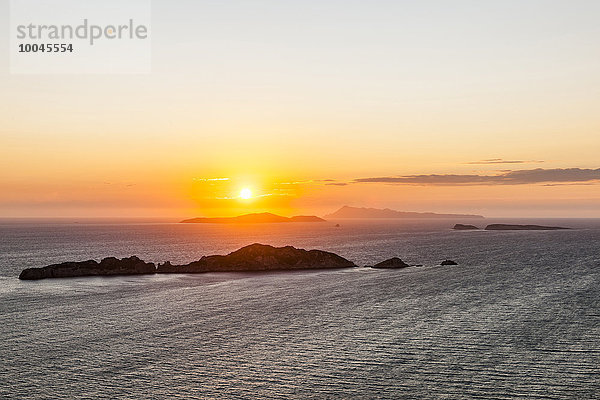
pixel 210 179
pixel 570 184
pixel 519 177
pixel 502 161
pixel 258 196
pixel 294 182
pixel 333 182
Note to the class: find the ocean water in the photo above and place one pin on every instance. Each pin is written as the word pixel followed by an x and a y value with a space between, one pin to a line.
pixel 519 317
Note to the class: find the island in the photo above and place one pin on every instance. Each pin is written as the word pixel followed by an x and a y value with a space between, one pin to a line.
pixel 463 227
pixel 108 266
pixel 255 257
pixel 254 218
pixel 448 262
pixel 392 263
pixel 510 227
pixel 377 213
pixel 260 257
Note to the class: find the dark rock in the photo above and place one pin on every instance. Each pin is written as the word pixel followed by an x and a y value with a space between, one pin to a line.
pixel 462 227
pixel 108 266
pixel 259 257
pixel 448 262
pixel 509 227
pixel 391 263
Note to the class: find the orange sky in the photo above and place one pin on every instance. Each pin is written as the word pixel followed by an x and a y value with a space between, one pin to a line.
pixel 299 104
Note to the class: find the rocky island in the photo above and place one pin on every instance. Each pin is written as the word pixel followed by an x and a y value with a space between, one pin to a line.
pixel 448 262
pixel 392 263
pixel 256 218
pixel 509 227
pixel 260 257
pixel 108 266
pixel 255 257
pixel 463 227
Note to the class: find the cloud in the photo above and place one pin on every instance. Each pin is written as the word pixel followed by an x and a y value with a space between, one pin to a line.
pixel 336 184
pixel 257 196
pixel 501 161
pixel 570 184
pixel 294 182
pixel 210 179
pixel 519 177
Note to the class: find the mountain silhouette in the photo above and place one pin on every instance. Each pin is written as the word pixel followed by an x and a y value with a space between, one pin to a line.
pixel 253 219
pixel 357 212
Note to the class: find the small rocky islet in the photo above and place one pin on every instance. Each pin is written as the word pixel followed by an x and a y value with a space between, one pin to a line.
pixel 393 262
pixel 255 257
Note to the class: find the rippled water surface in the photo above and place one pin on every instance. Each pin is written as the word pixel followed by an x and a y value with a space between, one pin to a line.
pixel 519 317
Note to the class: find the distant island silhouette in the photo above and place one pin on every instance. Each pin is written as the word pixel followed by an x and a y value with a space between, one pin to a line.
pixel 509 227
pixel 464 227
pixel 254 218
pixel 359 212
pixel 512 227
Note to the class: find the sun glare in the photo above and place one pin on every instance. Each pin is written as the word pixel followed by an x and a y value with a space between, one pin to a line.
pixel 245 193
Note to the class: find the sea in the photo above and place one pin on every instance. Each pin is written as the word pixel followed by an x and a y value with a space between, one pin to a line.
pixel 517 318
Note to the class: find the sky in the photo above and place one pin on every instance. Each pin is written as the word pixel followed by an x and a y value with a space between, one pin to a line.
pixel 485 107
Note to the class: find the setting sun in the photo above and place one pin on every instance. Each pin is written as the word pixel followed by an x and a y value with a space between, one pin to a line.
pixel 246 193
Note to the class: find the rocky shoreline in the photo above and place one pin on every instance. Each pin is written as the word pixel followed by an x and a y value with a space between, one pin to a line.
pixel 255 257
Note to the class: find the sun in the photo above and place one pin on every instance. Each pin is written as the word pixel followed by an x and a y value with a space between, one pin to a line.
pixel 245 193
